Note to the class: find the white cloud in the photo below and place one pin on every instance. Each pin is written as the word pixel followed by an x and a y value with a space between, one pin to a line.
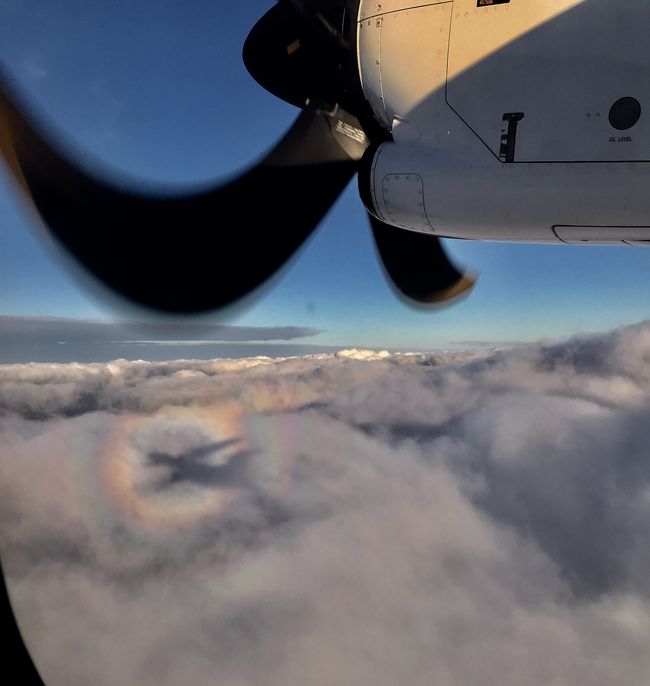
pixel 357 518
pixel 362 354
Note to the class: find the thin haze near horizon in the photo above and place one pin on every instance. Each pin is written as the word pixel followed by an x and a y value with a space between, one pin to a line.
pixel 158 91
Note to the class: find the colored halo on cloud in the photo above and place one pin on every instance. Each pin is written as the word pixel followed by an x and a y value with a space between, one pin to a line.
pixel 144 496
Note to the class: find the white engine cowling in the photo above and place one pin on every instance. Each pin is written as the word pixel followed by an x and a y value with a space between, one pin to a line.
pixel 519 120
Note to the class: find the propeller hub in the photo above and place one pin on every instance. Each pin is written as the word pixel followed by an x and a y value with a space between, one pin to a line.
pixel 304 55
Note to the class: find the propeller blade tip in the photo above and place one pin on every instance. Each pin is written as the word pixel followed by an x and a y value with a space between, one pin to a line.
pixel 461 288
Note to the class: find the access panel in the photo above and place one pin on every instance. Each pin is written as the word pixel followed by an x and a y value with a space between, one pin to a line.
pixel 552 80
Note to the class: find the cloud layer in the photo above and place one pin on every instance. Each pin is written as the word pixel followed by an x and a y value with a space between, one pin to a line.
pixel 357 518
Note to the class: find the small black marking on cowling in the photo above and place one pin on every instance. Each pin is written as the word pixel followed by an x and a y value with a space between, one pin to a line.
pixel 509 136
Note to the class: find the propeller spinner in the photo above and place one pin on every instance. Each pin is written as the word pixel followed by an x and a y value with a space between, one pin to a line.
pixel 196 252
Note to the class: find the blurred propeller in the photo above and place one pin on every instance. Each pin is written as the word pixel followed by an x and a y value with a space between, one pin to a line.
pixel 183 254
pixel 318 19
pixel 188 253
pixel 418 266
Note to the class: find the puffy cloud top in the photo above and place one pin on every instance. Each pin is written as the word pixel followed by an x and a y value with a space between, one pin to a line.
pixel 359 518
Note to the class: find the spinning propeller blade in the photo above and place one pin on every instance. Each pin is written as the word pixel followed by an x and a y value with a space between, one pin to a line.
pixel 417 265
pixel 188 253
pixel 182 254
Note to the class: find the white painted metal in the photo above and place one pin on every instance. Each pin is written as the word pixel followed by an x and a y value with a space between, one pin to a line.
pixel 563 63
pixel 479 197
pixel 599 234
pixel 416 39
pixel 369 51
pixel 383 7
pixel 405 193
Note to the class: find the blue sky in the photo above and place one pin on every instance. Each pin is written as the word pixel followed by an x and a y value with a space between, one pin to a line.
pixel 157 90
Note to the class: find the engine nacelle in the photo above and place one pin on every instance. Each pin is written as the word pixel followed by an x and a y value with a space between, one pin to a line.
pixel 515 120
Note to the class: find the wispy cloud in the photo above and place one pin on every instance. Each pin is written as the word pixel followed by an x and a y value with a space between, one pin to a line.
pixel 456 519
pixel 49 339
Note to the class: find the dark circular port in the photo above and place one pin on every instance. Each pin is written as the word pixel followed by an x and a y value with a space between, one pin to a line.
pixel 625 113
